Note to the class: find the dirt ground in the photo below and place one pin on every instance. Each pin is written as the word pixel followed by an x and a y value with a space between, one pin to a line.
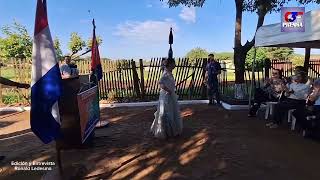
pixel 216 144
pixel 14 123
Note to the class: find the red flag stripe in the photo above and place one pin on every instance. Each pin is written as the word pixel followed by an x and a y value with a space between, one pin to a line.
pixel 95 57
pixel 41 18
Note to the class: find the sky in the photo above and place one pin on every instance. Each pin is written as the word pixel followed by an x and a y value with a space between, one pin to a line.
pixel 133 29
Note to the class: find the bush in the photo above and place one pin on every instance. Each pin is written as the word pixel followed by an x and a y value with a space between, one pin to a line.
pixel 261 56
pixel 298 61
pixel 10 98
pixel 197 53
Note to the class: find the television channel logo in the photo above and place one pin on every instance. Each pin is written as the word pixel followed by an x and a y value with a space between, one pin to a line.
pixel 292 19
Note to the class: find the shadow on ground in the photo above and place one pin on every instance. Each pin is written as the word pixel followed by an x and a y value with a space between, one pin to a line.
pixel 216 144
pixel 5 123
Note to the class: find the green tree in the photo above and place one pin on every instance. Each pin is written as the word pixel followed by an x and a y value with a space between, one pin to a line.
pixel 76 43
pixel 224 56
pixel 297 60
pixel 197 53
pixel 279 53
pixel 16 42
pixel 89 42
pixel 261 56
pixel 261 8
pixel 57 47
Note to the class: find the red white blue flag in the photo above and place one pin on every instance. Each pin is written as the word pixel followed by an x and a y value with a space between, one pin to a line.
pixel 46 80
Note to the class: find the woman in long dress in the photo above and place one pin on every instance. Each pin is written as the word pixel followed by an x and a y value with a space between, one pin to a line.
pixel 167 122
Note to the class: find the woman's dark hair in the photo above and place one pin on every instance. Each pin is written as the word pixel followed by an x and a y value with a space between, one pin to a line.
pixel 303 75
pixel 280 72
pixel 300 68
pixel 167 62
pixel 316 82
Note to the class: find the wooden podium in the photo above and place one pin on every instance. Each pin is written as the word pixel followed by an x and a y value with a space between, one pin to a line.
pixel 69 115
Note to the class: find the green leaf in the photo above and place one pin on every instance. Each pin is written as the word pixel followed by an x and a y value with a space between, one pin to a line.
pixel 16 42
pixel 76 43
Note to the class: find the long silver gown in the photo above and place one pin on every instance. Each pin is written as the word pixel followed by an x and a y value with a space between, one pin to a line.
pixel 167 122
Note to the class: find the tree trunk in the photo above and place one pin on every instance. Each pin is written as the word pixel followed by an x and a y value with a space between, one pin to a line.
pixel 238 55
pixel 240 52
pixel 307 59
pixel 238 61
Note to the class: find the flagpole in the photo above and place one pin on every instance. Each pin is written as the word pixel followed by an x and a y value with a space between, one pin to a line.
pixel 96 79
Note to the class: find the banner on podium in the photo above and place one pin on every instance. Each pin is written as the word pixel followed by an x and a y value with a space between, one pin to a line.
pixel 89 111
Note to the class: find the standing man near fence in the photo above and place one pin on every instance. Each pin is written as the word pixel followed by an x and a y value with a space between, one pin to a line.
pixel 213 69
pixel 8 82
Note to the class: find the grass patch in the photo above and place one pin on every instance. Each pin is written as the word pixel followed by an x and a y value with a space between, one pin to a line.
pixel 11 98
pixel 8 72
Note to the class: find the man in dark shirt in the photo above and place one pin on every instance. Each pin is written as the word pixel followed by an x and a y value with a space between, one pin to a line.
pixel 7 82
pixel 213 70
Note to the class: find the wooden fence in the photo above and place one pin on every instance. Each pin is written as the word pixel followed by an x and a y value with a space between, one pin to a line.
pixel 314 68
pixel 17 70
pixel 284 65
pixel 129 80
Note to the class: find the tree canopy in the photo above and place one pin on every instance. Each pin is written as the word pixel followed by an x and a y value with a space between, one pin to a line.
pixel 76 43
pixel 89 42
pixel 273 53
pixel 224 56
pixel 261 8
pixel 247 5
pixel 279 53
pixel 16 42
pixel 261 56
pixel 57 47
pixel 197 53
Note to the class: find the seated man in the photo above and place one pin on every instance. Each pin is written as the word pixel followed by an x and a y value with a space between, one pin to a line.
pixel 297 93
pixel 270 92
pixel 312 109
pixel 67 69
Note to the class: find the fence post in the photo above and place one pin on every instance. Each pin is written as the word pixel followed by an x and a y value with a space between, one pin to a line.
pixel 267 67
pixel 142 79
pixel 135 78
pixel 204 89
pixel 307 59
pixel 223 75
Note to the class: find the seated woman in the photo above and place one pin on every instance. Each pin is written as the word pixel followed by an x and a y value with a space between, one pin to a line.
pixel 300 70
pixel 312 109
pixel 296 93
pixel 271 91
